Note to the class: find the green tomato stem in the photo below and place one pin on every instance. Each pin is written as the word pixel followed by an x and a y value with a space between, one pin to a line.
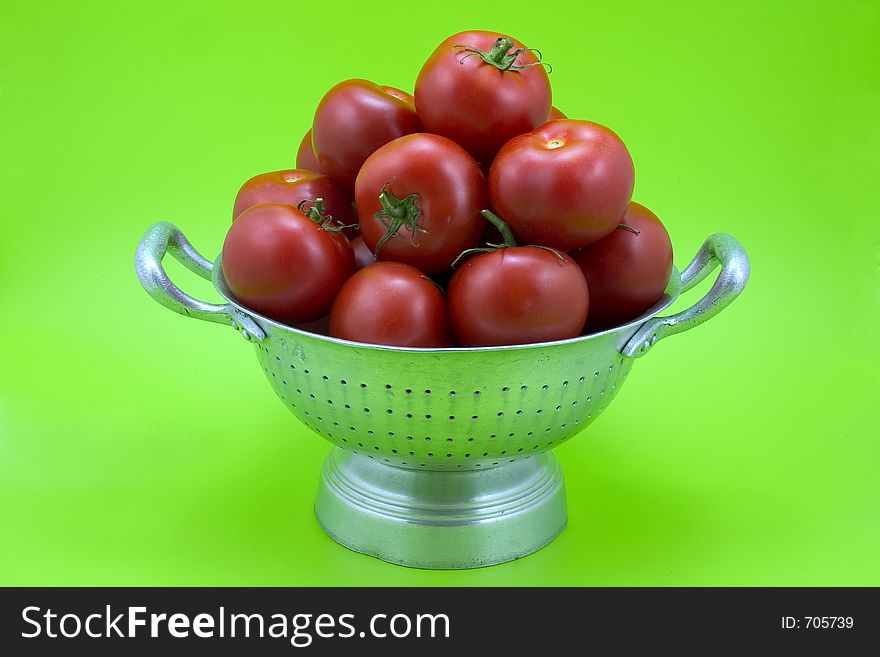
pixel 503 228
pixel 395 213
pixel 316 213
pixel 500 56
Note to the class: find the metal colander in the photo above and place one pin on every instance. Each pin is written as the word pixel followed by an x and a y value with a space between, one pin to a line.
pixel 441 456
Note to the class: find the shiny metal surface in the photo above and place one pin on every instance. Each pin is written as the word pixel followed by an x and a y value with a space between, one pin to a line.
pixel 164 237
pixel 418 429
pixel 437 519
pixel 718 249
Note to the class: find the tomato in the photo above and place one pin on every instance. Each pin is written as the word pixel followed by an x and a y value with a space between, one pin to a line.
pixel 283 265
pixel 555 115
pixel 566 184
pixel 362 254
pixel 305 156
pixel 626 271
pixel 480 89
pixel 517 295
pixel 354 119
pixel 393 304
pixel 294 186
pixel 425 193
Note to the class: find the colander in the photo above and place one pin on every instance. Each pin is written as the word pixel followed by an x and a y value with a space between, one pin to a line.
pixel 442 458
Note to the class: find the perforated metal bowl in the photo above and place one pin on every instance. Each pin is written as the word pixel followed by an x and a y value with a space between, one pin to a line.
pixel 441 456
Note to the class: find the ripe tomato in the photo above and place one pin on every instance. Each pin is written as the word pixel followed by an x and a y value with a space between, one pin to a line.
pixel 283 265
pixel 393 304
pixel 566 184
pixel 305 156
pixel 425 193
pixel 481 89
pixel 517 295
pixel 294 186
pixel 354 119
pixel 626 271
pixel 362 254
pixel 555 115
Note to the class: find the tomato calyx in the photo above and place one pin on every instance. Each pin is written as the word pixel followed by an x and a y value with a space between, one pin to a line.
pixel 507 236
pixel 503 228
pixel 397 212
pixel 317 214
pixel 500 56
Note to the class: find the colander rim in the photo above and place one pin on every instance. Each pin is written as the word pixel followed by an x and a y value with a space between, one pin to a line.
pixel 670 295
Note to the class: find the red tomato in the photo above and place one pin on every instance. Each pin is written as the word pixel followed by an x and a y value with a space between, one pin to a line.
pixel 517 295
pixel 480 89
pixel 283 265
pixel 566 184
pixel 354 119
pixel 305 156
pixel 626 271
pixel 362 254
pixel 393 304
pixel 555 115
pixel 294 186
pixel 428 193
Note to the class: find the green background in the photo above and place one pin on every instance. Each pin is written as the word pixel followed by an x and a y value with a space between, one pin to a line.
pixel 141 448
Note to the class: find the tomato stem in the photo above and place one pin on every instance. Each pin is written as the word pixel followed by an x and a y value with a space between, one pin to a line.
pixel 503 228
pixel 629 228
pixel 500 56
pixel 316 213
pixel 395 213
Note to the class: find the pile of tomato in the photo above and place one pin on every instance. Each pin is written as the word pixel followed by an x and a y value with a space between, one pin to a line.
pixel 471 213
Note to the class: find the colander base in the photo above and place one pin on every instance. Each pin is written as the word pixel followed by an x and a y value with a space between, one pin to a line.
pixel 441 519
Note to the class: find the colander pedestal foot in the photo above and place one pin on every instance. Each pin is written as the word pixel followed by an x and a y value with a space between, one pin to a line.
pixel 441 518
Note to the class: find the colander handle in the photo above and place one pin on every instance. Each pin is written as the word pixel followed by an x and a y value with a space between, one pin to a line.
pixel 719 248
pixel 164 237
